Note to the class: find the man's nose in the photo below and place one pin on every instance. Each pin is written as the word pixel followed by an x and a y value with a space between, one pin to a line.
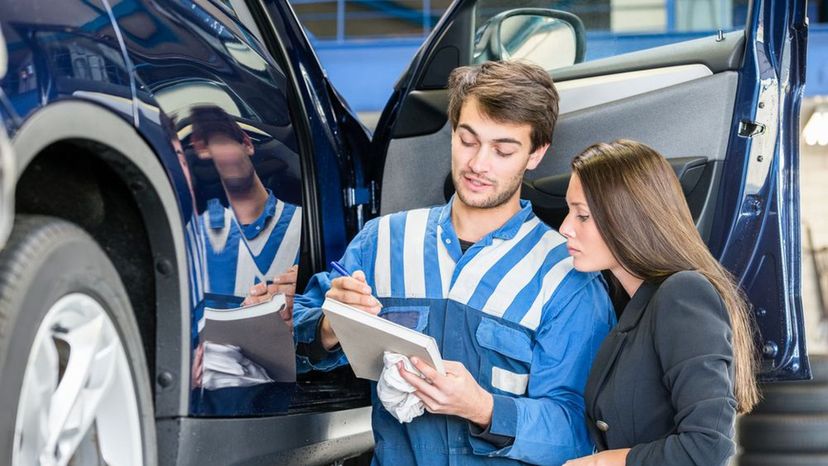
pixel 480 162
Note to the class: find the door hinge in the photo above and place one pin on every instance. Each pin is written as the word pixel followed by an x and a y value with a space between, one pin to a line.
pixel 749 129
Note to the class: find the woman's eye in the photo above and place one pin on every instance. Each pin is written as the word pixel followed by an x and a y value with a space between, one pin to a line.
pixel 582 218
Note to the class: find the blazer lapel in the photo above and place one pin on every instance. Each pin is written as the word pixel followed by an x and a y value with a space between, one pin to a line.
pixel 611 347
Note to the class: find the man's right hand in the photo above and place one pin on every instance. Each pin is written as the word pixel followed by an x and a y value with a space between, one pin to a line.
pixel 353 291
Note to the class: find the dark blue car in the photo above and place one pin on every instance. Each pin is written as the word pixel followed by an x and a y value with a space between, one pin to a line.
pixel 158 158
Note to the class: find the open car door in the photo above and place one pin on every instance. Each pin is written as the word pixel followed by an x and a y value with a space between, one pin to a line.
pixel 724 109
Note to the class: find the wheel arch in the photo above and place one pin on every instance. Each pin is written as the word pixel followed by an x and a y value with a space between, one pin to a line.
pixel 95 134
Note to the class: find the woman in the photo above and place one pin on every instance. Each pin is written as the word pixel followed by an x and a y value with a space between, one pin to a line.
pixel 668 381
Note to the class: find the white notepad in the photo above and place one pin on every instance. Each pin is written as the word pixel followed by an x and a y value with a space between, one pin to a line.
pixel 365 337
pixel 259 331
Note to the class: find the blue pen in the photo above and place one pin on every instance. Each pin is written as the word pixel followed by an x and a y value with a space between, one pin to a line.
pixel 340 269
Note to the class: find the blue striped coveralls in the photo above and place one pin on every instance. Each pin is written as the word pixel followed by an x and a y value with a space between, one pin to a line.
pixel 511 308
pixel 271 246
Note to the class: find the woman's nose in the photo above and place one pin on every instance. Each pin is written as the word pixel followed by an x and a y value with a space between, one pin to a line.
pixel 566 228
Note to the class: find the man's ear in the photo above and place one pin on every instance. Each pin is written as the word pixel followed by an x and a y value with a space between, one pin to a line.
pixel 201 149
pixel 536 157
pixel 249 150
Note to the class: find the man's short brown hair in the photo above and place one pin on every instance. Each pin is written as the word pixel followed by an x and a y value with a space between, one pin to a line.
pixel 508 92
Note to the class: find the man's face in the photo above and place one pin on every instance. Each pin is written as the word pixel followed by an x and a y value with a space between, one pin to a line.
pixel 232 161
pixel 488 158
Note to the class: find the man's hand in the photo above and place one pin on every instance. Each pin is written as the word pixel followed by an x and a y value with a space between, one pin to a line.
pixel 604 458
pixel 197 371
pixel 456 393
pixel 353 291
pixel 285 284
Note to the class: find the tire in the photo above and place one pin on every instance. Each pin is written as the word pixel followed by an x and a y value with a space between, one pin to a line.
pixel 784 398
pixel 771 459
pixel 66 323
pixel 783 434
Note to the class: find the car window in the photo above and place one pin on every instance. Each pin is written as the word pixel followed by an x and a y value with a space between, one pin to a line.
pixel 618 27
pixel 345 19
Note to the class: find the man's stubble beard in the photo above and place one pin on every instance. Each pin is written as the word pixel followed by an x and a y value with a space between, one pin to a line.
pixel 239 185
pixel 497 199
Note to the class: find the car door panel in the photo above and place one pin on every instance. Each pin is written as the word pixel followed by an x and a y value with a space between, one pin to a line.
pixel 715 53
pixel 669 118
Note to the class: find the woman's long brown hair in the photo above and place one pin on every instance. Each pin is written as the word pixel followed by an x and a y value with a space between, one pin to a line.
pixel 639 208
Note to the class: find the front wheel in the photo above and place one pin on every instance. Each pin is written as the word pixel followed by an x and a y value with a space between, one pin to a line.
pixel 73 376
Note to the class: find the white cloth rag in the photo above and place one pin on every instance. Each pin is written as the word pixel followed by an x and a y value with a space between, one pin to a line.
pixel 226 366
pixel 397 395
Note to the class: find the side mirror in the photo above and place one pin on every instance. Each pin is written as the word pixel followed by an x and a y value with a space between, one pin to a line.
pixel 549 38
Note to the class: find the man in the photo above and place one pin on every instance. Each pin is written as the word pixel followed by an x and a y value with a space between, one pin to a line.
pixel 517 325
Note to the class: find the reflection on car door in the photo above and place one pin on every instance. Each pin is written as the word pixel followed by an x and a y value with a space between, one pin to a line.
pixel 221 101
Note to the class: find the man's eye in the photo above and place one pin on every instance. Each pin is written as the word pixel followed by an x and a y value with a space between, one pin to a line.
pixel 504 154
pixel 466 143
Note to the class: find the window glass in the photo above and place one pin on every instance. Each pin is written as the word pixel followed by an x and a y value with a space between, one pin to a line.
pixel 354 19
pixel 614 27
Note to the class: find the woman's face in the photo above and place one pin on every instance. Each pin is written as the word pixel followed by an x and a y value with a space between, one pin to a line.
pixel 586 246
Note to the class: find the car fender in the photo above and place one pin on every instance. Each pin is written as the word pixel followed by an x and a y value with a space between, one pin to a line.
pixel 77 119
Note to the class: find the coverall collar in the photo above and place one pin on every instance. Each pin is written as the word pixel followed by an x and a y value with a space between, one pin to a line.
pixel 507 231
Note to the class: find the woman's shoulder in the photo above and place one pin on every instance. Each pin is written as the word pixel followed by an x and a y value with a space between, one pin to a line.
pixel 691 292
pixel 687 283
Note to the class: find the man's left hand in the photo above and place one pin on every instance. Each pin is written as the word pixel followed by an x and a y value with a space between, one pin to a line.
pixel 604 458
pixel 456 393
pixel 284 283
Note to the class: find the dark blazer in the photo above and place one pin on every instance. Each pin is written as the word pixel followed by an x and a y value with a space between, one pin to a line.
pixel 662 382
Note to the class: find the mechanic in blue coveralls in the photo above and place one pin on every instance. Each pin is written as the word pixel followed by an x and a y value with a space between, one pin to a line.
pixel 517 325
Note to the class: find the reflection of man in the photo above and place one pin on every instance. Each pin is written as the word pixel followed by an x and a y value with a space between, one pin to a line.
pixel 258 237
pixel 253 241
pixel 517 325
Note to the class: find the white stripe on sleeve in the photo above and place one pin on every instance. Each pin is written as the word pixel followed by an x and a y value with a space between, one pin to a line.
pixel 509 381
pixel 445 261
pixel 289 248
pixel 382 263
pixel 473 272
pixel 413 259
pixel 551 281
pixel 519 276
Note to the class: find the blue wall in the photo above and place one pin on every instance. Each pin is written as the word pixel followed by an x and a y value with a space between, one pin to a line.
pixel 365 71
